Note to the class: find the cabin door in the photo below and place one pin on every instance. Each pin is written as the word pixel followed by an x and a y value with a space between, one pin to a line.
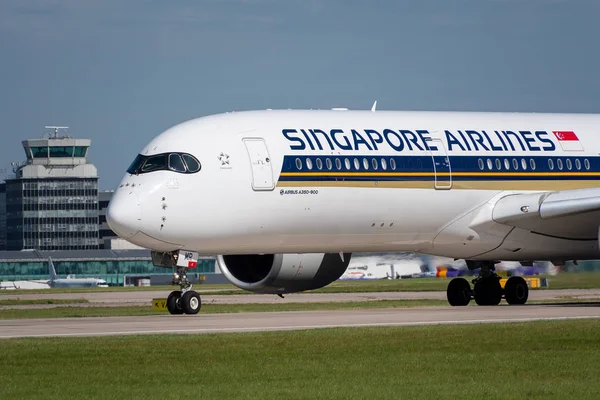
pixel 442 171
pixel 262 172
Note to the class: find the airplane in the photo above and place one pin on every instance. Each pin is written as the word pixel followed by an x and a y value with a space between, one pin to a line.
pixel 71 282
pixel 284 197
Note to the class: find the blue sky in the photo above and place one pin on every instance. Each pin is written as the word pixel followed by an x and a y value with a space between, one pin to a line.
pixel 120 72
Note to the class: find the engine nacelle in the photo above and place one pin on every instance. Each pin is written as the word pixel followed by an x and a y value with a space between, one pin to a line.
pixel 283 273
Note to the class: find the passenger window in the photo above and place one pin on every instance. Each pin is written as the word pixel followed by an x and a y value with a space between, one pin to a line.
pixel 356 164
pixel 586 163
pixel 480 164
pixel 498 164
pixel 506 164
pixel 559 164
pixel 175 163
pixel 532 164
pixel 366 163
pixel 309 164
pixel 577 164
pixel 383 164
pixel 338 164
pixel 374 163
pixel 489 164
pixel 347 164
pixel 569 164
pixel 328 163
pixel 192 164
pixel 393 164
pixel 515 164
pixel 319 164
pixel 550 164
pixel 298 164
pixel 524 164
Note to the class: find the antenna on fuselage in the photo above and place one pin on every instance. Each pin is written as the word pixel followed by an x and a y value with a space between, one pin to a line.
pixel 374 107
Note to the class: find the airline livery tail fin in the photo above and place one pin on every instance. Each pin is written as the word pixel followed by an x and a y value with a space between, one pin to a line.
pixel 52 270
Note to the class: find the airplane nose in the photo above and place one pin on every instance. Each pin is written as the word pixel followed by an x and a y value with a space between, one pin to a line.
pixel 124 215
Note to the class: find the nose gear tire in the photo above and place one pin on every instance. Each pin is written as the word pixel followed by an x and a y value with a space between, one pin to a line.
pixel 173 303
pixel 190 302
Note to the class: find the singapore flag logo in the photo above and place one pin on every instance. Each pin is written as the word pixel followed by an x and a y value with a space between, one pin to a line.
pixel 568 140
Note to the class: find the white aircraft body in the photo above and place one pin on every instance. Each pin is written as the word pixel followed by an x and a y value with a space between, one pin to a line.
pixel 72 282
pixel 285 197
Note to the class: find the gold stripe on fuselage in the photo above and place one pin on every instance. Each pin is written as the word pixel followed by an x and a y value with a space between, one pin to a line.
pixel 456 185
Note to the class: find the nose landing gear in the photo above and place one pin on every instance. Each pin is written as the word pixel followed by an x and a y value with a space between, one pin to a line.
pixel 487 290
pixel 184 301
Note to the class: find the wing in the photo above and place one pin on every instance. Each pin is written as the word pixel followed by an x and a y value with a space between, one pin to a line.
pixel 569 214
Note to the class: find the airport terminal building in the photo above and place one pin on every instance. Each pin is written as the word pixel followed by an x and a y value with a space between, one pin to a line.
pixel 117 267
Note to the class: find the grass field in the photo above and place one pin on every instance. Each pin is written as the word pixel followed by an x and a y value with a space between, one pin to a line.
pixel 579 280
pixel 85 312
pixel 81 312
pixel 550 360
pixel 20 302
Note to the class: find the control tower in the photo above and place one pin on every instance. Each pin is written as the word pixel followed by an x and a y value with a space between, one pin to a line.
pixel 52 202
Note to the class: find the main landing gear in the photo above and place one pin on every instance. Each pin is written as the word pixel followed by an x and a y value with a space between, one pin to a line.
pixel 487 290
pixel 184 301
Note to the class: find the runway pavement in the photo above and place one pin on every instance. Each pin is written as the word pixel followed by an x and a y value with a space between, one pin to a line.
pixel 273 321
pixel 145 297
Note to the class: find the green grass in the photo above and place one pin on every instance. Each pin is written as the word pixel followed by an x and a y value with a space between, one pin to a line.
pixel 75 312
pixel 549 360
pixel 19 302
pixel 84 312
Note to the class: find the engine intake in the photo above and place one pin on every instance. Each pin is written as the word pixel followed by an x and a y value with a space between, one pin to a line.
pixel 283 273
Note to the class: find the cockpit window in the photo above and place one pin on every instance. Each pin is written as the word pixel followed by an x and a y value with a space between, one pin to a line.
pixel 155 163
pixel 136 164
pixel 177 162
pixel 192 164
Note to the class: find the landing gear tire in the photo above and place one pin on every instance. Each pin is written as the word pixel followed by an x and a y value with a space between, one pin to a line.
pixel 174 303
pixel 458 292
pixel 516 290
pixel 488 291
pixel 190 302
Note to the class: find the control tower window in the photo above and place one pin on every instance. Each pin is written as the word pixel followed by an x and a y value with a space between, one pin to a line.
pixel 80 151
pixel 39 152
pixel 56 151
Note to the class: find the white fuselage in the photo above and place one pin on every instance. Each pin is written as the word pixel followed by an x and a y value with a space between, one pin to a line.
pixel 388 181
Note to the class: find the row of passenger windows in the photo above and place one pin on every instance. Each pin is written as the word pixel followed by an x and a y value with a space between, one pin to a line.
pixel 490 164
pixel 515 165
pixel 374 163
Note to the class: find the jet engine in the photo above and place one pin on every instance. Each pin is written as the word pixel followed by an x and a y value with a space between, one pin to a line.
pixel 283 273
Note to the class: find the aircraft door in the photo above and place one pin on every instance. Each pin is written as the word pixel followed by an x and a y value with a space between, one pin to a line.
pixel 442 171
pixel 262 172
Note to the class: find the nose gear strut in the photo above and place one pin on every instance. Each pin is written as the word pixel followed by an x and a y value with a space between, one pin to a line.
pixel 185 300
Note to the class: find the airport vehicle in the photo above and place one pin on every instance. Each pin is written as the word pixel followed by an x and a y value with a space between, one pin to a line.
pixel 293 193
pixel 70 281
